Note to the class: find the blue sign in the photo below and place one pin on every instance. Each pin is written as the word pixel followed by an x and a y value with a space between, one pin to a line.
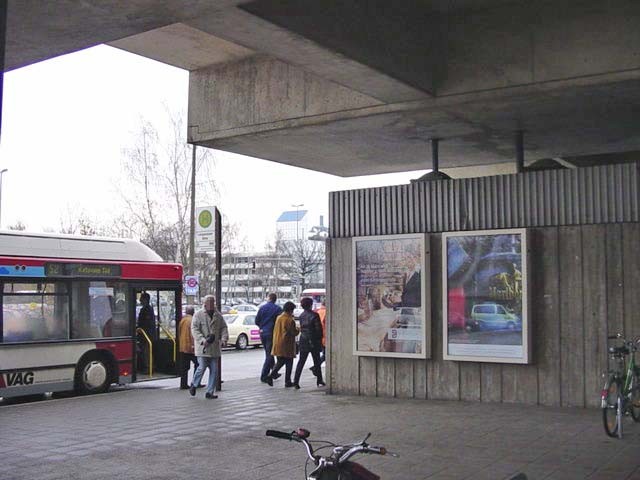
pixel 21 271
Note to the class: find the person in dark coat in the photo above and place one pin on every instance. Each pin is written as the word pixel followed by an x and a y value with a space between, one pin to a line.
pixel 146 316
pixel 265 320
pixel 310 341
pixel 284 343
pixel 146 322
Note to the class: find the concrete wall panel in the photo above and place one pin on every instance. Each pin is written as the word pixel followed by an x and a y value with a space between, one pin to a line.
pixel 583 283
pixel 546 322
pixel 594 267
pixel 345 368
pixel 571 317
pixel 576 299
pixel 631 279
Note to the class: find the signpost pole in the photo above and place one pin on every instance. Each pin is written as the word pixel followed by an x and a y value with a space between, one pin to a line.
pixel 192 233
pixel 218 242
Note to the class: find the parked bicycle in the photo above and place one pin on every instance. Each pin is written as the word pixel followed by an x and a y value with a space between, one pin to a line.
pixel 621 392
pixel 336 465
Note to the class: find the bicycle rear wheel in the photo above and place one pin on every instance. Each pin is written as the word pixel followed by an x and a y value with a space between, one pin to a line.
pixel 610 407
pixel 634 398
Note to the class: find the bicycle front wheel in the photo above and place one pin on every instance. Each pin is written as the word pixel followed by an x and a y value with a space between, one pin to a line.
pixel 634 398
pixel 610 407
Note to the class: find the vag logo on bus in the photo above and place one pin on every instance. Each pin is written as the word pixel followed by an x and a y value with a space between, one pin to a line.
pixel 19 378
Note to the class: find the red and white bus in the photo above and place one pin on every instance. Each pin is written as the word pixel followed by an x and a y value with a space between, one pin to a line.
pixel 68 312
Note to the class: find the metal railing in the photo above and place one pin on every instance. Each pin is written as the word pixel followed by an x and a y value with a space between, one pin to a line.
pixel 172 338
pixel 140 330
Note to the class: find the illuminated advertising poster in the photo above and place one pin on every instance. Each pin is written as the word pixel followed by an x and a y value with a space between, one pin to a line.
pixel 485 302
pixel 390 296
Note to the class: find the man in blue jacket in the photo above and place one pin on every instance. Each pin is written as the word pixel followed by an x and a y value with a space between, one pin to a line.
pixel 265 320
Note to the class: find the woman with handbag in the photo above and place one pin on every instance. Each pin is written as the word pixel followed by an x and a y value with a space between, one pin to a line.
pixel 284 344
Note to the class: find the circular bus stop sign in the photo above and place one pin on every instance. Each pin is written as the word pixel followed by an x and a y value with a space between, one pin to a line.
pixel 191 285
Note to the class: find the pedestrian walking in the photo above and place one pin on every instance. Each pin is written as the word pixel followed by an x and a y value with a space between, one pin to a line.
pixel 187 353
pixel 210 333
pixel 310 342
pixel 265 320
pixel 284 344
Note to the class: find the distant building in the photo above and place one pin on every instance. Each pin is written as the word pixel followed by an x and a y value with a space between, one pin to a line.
pixel 319 232
pixel 292 225
pixel 251 277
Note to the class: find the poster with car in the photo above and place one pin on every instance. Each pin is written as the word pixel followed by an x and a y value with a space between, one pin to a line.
pixel 391 297
pixel 485 296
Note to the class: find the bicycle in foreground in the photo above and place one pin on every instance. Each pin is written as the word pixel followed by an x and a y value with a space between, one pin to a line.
pixel 336 465
pixel 621 392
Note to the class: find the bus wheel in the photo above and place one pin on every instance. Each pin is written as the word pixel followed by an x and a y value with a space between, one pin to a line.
pixel 93 375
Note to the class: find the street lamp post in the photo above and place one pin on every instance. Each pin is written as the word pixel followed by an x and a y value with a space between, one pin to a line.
pixel 297 218
pixel 297 235
pixel 1 173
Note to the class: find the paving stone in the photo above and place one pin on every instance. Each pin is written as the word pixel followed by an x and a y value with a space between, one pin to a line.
pixel 163 433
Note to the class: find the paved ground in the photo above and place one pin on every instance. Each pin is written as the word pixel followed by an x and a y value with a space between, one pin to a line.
pixel 163 433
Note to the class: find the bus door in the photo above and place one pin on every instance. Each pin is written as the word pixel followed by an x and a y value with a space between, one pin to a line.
pixel 156 321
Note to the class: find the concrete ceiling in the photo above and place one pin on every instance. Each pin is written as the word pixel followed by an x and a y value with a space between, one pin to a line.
pixel 470 72
pixel 390 139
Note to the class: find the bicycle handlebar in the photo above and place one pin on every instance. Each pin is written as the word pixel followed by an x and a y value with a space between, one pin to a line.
pixel 341 453
pixel 628 346
pixel 278 434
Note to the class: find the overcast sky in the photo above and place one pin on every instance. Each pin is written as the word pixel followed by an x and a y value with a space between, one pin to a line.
pixel 67 120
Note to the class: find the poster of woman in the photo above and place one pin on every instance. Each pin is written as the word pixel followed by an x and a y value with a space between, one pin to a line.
pixel 485 302
pixel 390 291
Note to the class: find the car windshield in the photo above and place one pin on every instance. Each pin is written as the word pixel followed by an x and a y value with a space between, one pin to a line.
pixel 230 318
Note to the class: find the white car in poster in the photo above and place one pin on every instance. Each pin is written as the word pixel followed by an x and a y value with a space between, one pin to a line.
pixel 405 333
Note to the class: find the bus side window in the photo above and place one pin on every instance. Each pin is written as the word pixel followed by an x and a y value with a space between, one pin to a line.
pixel 29 314
pixel 99 309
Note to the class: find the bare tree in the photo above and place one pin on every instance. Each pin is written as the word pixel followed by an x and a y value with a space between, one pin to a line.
pixel 156 191
pixel 307 257
pixel 205 263
pixel 18 226
pixel 274 276
pixel 78 222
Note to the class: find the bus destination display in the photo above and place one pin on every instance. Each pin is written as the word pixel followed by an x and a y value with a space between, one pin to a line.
pixel 81 270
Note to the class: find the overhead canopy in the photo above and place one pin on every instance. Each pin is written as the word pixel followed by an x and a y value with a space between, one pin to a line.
pixel 360 87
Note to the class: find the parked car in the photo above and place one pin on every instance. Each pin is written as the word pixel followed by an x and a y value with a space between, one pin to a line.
pixel 243 331
pixel 245 307
pixel 493 316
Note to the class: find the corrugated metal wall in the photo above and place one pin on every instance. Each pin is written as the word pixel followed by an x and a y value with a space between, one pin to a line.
pixel 594 195
pixel 585 272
